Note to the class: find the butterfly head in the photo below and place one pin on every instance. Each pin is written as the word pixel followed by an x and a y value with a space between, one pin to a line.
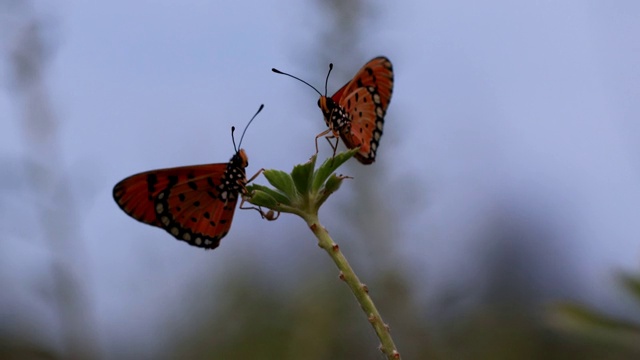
pixel 240 159
pixel 327 105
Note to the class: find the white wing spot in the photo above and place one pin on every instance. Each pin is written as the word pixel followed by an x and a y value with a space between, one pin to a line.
pixel 379 111
pixel 376 135
pixel 187 236
pixel 208 242
pixel 379 125
pixel 374 146
pixel 175 231
pixel 371 89
pixel 165 220
pixel 376 98
pixel 159 208
pixel 161 196
pixel 198 240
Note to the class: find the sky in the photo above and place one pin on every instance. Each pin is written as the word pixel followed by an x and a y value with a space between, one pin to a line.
pixel 519 111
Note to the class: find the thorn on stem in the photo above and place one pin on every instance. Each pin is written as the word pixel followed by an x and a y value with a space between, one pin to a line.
pixel 372 318
pixel 335 248
pixel 341 276
pixel 364 287
pixel 395 354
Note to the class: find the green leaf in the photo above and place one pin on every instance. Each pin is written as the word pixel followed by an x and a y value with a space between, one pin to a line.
pixel 279 197
pixel 333 184
pixel 261 198
pixel 581 316
pixel 632 284
pixel 282 181
pixel 329 166
pixel 303 175
pixel 330 186
pixel 593 326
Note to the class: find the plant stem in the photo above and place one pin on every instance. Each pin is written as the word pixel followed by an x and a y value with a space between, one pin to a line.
pixel 359 289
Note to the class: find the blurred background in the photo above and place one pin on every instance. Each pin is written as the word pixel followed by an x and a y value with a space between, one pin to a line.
pixel 508 177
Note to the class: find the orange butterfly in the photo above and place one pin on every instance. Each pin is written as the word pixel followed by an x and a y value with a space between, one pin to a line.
pixel 355 113
pixel 193 203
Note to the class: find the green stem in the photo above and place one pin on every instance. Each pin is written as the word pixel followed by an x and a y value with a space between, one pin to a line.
pixel 359 289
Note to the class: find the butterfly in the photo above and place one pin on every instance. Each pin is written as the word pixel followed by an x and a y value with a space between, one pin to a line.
pixel 355 113
pixel 195 203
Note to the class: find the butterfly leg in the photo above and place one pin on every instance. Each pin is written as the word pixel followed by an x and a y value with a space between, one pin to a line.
pixel 334 147
pixel 324 133
pixel 244 185
pixel 255 175
pixel 269 215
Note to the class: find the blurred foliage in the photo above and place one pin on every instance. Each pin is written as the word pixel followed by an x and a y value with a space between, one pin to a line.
pixel 319 319
pixel 593 326
pixel 249 315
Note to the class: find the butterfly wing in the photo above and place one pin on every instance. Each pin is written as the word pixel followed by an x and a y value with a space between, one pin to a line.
pixel 365 130
pixel 365 99
pixel 378 73
pixel 185 201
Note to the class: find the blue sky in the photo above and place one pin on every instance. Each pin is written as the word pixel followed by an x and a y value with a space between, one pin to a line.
pixel 524 111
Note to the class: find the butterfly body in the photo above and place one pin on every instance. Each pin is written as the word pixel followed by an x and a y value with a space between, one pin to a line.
pixel 194 204
pixel 335 116
pixel 356 112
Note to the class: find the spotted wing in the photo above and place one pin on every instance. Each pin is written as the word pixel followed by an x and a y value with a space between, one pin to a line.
pixel 377 73
pixel 185 201
pixel 367 119
pixel 365 100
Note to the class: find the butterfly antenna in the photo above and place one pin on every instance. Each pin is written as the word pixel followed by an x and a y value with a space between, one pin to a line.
pixel 326 81
pixel 233 128
pixel 297 78
pixel 245 128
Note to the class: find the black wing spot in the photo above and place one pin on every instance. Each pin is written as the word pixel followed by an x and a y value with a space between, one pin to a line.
pixel 223 221
pixel 181 197
pixel 196 203
pixel 194 219
pixel 192 185
pixel 359 83
pixel 190 176
pixel 212 223
pixel 152 180
pixel 206 215
pixel 172 180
